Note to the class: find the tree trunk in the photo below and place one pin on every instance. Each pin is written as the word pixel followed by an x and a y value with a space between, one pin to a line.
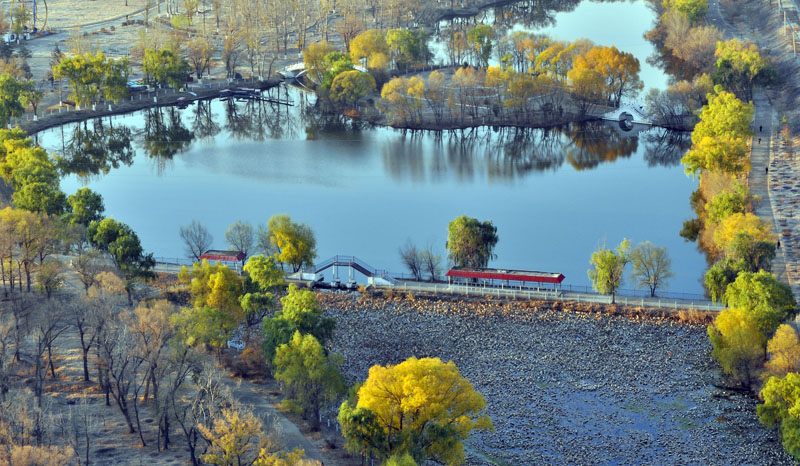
pixel 50 360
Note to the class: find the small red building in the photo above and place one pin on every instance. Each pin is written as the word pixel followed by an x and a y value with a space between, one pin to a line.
pixel 224 256
pixel 496 276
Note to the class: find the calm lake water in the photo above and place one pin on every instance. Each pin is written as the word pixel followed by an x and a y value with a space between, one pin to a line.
pixel 553 195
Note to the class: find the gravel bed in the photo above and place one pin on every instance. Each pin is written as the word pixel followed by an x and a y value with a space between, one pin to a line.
pixel 567 387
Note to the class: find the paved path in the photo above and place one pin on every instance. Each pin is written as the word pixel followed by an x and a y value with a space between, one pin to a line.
pixel 762 157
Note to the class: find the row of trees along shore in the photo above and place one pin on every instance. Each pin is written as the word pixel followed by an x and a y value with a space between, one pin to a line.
pixel 535 76
pixel 755 339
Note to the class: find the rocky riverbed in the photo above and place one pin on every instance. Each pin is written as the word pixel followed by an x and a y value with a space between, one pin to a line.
pixel 566 387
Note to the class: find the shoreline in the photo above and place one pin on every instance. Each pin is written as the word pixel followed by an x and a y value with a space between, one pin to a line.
pixel 168 99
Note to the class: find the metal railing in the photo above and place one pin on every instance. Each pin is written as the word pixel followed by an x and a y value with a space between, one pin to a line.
pixel 526 293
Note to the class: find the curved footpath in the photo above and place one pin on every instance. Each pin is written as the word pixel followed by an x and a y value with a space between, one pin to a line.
pixel 143 100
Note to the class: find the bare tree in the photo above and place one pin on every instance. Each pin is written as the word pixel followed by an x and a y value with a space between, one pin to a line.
pixel 48 324
pixel 76 427
pixel 431 263
pixel 651 266
pixel 87 266
pixel 240 237
pixel 412 259
pixel 209 396
pixel 196 238
pixel 6 355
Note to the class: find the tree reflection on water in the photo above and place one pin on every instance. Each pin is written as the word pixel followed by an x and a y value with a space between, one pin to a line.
pixel 509 153
pixel 164 135
pixel 499 153
pixel 94 148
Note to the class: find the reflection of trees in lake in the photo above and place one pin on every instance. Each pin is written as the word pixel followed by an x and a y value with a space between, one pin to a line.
pixel 203 124
pixel 258 120
pixel 165 135
pixel 595 142
pixel 530 14
pixel 664 147
pixel 319 118
pixel 97 150
pixel 508 153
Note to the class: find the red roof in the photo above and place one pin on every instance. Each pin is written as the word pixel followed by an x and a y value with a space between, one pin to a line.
pixel 497 274
pixel 229 256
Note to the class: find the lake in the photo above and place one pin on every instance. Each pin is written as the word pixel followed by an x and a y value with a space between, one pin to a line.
pixel 554 196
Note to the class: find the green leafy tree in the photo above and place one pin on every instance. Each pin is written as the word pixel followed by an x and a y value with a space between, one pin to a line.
pixel 294 243
pixel 39 197
pixel 362 430
pixel 35 180
pixel 481 39
pixel 728 202
pixel 351 86
pixel 407 47
pixel 165 67
pixel 86 206
pixel 85 74
pixel 204 325
pixel 265 277
pixel 310 377
pixel 299 312
pixel 719 140
pixel 693 10
pixel 768 300
pixel 719 276
pixel 424 407
pixel 781 406
pixel 753 254
pixel 122 244
pixel 739 66
pixel 609 268
pixel 115 81
pixel 652 267
pixel 471 242
pixel 336 63
pixel 11 92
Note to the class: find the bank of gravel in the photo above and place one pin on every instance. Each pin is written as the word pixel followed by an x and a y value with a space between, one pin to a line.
pixel 566 387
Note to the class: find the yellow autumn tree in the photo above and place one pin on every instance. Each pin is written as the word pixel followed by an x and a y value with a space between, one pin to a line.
pixel 619 70
pixel 370 45
pixel 741 223
pixel 719 140
pixel 238 439
pixel 784 352
pixel 423 407
pixel 215 286
pixel 350 86
pixel 396 101
pixel 738 344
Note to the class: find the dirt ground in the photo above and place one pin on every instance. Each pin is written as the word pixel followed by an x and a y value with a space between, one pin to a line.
pixel 112 444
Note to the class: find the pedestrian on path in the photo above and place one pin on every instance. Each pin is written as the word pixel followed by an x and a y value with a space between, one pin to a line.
pixel 760 128
pixel 766 170
pixel 759 140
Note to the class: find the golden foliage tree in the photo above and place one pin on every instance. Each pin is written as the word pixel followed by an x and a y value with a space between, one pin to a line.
pixel 784 351
pixel 738 344
pixel 423 407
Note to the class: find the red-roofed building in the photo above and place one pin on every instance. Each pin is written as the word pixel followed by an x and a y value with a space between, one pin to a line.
pixel 224 256
pixel 489 276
